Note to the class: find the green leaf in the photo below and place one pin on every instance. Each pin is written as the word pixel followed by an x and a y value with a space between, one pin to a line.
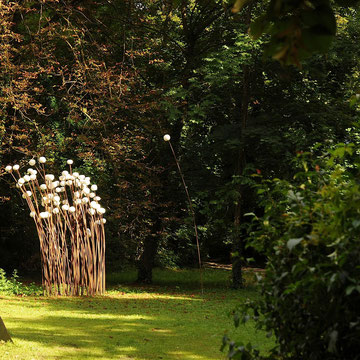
pixel 293 242
pixel 332 342
pixel 316 41
pixel 351 288
pixel 258 26
pixel 326 20
pixel 239 4
pixel 356 223
pixel 339 152
pixel 354 100
pixel 347 2
pixel 309 18
pixel 249 214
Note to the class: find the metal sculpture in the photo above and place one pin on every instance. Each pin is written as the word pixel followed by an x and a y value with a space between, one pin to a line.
pixel 70 225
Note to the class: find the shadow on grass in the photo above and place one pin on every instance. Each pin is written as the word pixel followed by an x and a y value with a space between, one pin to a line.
pixel 122 326
pixel 188 279
pixel 178 279
pixel 77 337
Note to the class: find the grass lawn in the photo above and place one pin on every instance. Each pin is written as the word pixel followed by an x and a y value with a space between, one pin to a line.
pixel 169 320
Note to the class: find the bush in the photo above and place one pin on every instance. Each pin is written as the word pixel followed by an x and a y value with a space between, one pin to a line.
pixel 311 289
pixel 12 286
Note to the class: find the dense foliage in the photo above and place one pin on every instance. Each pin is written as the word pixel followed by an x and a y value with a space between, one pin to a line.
pixel 101 82
pixel 12 286
pixel 310 232
pixel 296 29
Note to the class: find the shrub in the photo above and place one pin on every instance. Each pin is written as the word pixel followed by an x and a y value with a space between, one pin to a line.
pixel 311 234
pixel 12 286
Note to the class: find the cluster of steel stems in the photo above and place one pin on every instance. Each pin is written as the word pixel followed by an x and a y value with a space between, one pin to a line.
pixel 70 228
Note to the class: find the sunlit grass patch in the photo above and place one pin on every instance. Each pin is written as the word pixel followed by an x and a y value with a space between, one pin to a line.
pixel 158 322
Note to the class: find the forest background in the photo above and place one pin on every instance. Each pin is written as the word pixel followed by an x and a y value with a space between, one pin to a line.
pixel 101 82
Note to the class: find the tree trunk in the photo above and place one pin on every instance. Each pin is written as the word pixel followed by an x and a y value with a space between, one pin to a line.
pixel 237 248
pixel 146 262
pixel 237 278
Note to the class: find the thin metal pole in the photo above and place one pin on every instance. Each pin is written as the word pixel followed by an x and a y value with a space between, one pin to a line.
pixel 193 216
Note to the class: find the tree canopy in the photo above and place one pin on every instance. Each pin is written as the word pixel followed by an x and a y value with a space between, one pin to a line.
pixel 101 82
pixel 296 29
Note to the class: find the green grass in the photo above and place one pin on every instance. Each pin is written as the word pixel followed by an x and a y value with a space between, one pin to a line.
pixel 170 320
pixel 184 278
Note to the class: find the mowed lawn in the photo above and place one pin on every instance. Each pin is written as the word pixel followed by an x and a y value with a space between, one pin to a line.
pixel 169 320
